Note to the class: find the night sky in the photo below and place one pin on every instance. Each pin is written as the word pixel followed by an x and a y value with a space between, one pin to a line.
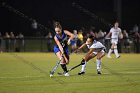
pixel 46 11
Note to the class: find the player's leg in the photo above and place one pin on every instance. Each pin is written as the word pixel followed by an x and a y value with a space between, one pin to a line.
pixel 63 63
pixel 111 50
pixel 59 56
pixel 98 61
pixel 65 67
pixel 116 51
pixel 92 55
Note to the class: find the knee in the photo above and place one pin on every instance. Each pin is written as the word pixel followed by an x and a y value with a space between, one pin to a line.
pixel 67 62
pixel 100 56
pixel 63 61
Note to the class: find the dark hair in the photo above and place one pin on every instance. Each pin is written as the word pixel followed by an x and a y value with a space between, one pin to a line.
pixel 57 24
pixel 92 37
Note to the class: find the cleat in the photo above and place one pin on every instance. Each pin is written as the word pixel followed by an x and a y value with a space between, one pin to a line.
pixel 98 72
pixel 109 56
pixel 81 73
pixel 118 56
pixel 51 75
pixel 66 74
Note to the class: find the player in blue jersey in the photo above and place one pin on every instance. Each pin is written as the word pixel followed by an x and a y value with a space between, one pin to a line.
pixel 62 40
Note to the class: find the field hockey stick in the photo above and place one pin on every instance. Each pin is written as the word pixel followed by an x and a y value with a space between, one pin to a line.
pixel 74 67
pixel 70 69
pixel 54 69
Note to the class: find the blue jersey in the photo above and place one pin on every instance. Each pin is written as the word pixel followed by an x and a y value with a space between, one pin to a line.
pixel 63 42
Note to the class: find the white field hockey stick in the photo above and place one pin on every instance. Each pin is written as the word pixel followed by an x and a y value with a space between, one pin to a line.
pixel 54 69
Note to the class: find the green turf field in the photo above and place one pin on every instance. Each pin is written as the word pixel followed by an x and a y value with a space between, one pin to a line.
pixel 29 73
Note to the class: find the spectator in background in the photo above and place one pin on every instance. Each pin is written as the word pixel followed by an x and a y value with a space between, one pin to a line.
pixel 34 24
pixel 126 41
pixel 80 37
pixel 74 41
pixel 7 41
pixel 20 42
pixel 92 33
pixel 107 41
pixel 34 28
pixel 136 37
pixel 137 41
pixel 100 36
pixel 0 42
pixel 21 36
pixel 135 28
pixel 12 41
pixel 49 38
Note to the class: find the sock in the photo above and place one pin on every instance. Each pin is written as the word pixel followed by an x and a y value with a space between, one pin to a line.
pixel 83 67
pixel 98 64
pixel 116 52
pixel 110 51
pixel 64 67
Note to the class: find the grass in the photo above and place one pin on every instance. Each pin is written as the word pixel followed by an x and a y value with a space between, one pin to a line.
pixel 29 73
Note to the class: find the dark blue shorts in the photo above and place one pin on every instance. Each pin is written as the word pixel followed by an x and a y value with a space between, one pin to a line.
pixel 56 49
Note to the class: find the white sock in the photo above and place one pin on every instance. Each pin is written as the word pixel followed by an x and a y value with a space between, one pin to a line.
pixel 98 64
pixel 83 67
pixel 116 52
pixel 110 51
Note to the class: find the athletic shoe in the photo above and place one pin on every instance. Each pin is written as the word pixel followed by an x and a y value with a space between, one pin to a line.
pixel 80 73
pixel 98 72
pixel 66 74
pixel 51 75
pixel 109 56
pixel 118 56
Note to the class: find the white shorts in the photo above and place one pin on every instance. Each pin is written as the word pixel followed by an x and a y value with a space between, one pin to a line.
pixel 95 53
pixel 98 47
pixel 114 41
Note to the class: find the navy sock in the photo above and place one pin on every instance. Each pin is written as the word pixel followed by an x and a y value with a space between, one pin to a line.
pixel 64 67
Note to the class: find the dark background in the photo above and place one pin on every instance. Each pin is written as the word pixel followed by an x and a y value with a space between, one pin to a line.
pixel 46 11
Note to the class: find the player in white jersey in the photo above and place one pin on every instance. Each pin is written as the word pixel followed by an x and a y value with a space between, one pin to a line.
pixel 115 33
pixel 96 48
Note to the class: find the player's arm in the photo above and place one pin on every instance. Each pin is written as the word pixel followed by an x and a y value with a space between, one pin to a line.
pixel 83 45
pixel 71 36
pixel 61 49
pixel 78 49
pixel 88 54
pixel 59 45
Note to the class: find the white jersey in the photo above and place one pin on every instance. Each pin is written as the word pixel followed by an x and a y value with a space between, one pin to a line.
pixel 115 34
pixel 98 46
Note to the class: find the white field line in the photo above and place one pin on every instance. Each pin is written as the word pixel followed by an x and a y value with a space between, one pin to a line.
pixel 21 77
pixel 44 76
pixel 125 73
pixel 130 72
